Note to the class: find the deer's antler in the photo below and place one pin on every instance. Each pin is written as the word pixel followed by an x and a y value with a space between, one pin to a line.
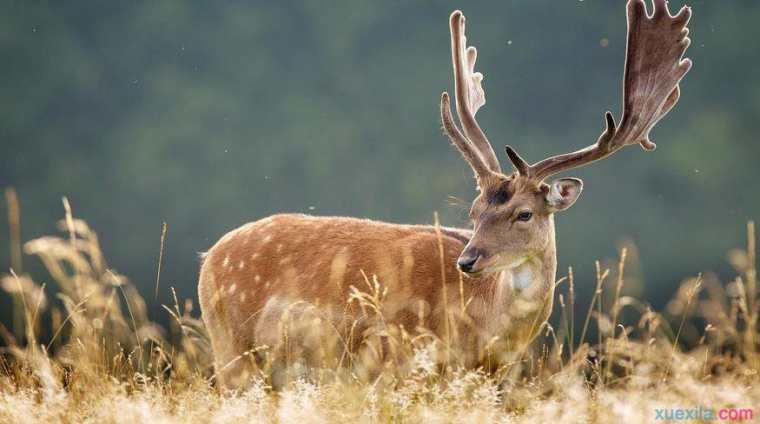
pixel 653 69
pixel 469 98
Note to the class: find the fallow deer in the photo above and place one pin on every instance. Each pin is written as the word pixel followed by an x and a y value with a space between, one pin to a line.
pixel 288 263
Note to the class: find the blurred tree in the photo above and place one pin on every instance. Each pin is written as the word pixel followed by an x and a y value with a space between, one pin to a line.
pixel 209 114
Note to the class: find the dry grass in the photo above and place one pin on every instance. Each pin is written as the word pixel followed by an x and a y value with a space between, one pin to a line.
pixel 103 360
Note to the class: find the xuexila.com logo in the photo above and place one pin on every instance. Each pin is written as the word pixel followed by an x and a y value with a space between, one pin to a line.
pixel 705 414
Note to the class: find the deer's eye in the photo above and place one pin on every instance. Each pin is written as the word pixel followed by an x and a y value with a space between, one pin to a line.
pixel 524 216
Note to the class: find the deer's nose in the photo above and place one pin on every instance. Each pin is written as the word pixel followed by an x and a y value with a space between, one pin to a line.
pixel 466 263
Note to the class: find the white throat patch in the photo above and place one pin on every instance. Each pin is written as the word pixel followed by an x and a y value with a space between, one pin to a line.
pixel 522 276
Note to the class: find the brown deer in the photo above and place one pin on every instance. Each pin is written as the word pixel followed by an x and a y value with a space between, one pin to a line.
pixel 295 266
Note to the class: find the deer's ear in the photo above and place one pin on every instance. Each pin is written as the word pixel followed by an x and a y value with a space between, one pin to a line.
pixel 562 193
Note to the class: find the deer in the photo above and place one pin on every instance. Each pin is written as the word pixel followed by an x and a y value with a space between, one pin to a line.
pixel 498 275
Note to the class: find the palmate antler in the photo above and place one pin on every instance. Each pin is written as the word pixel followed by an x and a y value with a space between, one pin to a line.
pixel 653 69
pixel 470 97
pixel 654 66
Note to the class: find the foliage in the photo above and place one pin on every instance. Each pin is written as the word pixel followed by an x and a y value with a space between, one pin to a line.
pixel 205 115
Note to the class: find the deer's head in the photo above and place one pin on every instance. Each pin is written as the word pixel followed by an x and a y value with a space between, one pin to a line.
pixel 512 215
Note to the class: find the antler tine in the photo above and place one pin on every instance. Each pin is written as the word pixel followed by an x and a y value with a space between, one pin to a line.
pixel 468 90
pixel 523 168
pixel 653 68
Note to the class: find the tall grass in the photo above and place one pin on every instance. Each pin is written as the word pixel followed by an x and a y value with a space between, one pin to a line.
pixel 86 350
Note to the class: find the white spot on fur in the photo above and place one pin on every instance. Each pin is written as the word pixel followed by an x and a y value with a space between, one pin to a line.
pixel 279 247
pixel 284 260
pixel 243 296
pixel 232 288
pixel 254 256
pixel 267 239
pixel 257 278
pixel 226 262
pixel 241 265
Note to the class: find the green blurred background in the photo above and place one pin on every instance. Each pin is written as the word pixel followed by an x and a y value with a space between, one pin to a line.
pixel 206 115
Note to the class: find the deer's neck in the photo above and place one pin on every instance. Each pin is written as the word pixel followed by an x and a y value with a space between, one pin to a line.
pixel 524 290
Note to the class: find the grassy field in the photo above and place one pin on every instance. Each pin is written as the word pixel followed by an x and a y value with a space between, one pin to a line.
pixel 102 359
